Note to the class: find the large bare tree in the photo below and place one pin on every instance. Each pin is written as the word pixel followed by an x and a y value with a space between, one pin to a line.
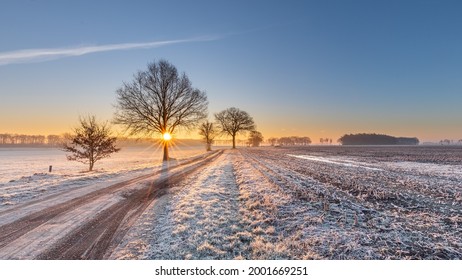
pixel 208 133
pixel 90 142
pixel 233 121
pixel 159 100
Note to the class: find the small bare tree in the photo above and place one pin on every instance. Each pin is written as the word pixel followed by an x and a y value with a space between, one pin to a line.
pixel 208 133
pixel 255 138
pixel 159 100
pixel 233 121
pixel 90 142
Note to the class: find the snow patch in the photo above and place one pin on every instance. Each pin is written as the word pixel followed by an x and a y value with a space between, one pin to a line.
pixel 338 161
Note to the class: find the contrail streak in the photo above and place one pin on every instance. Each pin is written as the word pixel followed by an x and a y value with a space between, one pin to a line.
pixel 36 55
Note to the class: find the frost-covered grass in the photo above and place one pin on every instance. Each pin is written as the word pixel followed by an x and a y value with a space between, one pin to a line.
pixel 265 204
pixel 199 219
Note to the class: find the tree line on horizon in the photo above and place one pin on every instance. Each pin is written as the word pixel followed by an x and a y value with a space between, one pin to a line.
pixel 450 142
pixel 290 141
pixel 23 139
pixel 376 139
pixel 55 140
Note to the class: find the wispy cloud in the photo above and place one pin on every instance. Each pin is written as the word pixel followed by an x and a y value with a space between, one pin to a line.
pixel 37 55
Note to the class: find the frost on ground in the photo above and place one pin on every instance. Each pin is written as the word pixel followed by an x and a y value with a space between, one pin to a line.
pixel 199 219
pixel 265 204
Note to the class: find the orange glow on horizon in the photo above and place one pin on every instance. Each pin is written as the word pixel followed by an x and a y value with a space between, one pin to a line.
pixel 315 130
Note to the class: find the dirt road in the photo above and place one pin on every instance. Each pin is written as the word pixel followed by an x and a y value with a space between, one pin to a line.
pixel 87 226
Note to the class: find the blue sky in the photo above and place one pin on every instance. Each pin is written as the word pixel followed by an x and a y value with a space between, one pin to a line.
pixel 315 68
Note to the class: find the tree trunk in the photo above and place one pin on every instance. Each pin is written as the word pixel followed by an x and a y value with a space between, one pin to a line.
pixel 91 166
pixel 234 141
pixel 165 151
pixel 209 147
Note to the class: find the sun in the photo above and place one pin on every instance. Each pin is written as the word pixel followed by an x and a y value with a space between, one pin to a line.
pixel 167 136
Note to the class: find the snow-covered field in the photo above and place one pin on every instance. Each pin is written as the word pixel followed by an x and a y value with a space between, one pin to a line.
pixel 24 171
pixel 309 203
pixel 260 203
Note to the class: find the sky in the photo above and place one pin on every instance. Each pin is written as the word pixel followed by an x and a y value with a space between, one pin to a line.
pixel 304 68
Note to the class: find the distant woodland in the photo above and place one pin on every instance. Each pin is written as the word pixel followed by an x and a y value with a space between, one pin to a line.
pixel 22 139
pixel 290 141
pixel 8 139
pixel 376 139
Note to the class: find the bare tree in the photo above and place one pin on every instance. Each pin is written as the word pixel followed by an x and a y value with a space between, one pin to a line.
pixel 272 141
pixel 233 121
pixel 159 100
pixel 255 138
pixel 208 133
pixel 91 142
